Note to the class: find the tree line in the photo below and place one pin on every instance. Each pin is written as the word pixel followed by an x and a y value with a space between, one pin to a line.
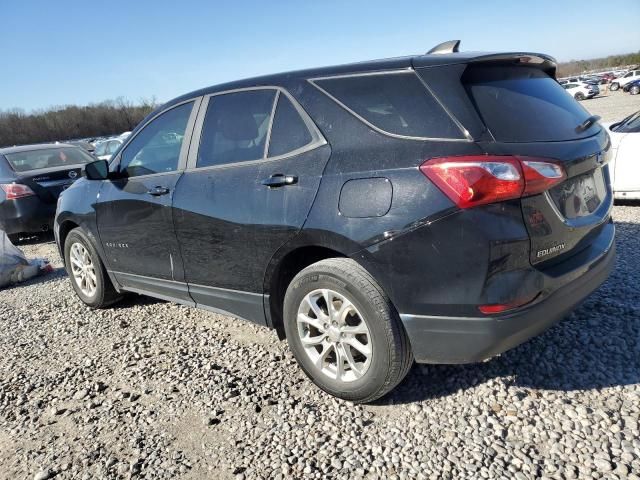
pixel 71 122
pixel 576 67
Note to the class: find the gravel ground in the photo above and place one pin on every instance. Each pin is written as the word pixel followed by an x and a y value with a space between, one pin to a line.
pixel 612 106
pixel 149 389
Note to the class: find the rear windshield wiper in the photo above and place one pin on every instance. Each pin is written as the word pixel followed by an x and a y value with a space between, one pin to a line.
pixel 587 123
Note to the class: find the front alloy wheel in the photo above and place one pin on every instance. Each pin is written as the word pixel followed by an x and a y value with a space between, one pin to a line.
pixel 334 335
pixel 83 270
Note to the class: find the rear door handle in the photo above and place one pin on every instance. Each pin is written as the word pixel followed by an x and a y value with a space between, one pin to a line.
pixel 279 180
pixel 158 190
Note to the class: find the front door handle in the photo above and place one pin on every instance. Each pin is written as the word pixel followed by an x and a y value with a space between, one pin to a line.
pixel 158 190
pixel 279 180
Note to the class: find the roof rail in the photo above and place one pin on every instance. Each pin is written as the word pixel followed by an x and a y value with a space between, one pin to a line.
pixel 451 46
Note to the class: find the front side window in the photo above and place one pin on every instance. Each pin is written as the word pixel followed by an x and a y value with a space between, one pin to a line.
pixel 235 127
pixel 48 158
pixel 156 148
pixel 396 103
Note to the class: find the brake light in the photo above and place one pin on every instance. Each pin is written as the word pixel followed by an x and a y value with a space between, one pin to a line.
pixel 16 190
pixel 475 180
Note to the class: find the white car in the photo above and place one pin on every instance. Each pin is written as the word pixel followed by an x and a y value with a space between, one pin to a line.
pixel 626 78
pixel 624 167
pixel 105 149
pixel 580 91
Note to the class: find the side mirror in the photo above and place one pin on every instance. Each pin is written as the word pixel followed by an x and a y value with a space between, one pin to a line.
pixel 98 170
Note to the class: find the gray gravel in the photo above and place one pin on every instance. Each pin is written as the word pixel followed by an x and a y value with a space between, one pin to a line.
pixel 612 106
pixel 151 389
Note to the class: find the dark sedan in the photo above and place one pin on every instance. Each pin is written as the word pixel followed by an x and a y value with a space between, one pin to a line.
pixel 31 179
pixel 632 87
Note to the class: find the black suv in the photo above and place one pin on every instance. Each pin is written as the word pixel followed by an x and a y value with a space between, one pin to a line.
pixel 441 208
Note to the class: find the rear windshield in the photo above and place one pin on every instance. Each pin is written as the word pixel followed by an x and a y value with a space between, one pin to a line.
pixel 396 103
pixel 522 104
pixel 47 158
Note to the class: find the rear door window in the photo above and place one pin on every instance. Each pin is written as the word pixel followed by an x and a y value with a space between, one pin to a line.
pixel 235 127
pixel 523 104
pixel 289 131
pixel 396 103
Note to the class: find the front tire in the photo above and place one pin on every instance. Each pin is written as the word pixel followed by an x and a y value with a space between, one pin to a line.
pixel 614 86
pixel 344 331
pixel 87 273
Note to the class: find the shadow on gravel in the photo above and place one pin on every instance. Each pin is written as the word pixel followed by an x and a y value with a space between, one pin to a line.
pixel 596 346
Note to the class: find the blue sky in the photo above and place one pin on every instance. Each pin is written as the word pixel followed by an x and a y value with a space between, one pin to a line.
pixel 78 52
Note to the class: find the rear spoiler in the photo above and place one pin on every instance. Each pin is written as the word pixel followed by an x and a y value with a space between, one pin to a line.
pixel 537 60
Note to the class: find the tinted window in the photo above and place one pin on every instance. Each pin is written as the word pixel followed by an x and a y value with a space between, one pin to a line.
pixel 522 104
pixel 396 103
pixel 289 132
pixel 235 127
pixel 156 148
pixel 47 158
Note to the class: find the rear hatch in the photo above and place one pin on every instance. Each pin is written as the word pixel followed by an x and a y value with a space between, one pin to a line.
pixel 512 105
pixel 528 114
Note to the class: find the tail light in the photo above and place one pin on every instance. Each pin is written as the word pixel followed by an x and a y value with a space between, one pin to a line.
pixel 16 190
pixel 475 180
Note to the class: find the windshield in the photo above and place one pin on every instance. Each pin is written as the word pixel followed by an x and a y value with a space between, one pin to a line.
pixel 47 158
pixel 524 104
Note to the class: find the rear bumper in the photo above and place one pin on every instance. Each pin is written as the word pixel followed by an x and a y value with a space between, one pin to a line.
pixel 26 215
pixel 438 339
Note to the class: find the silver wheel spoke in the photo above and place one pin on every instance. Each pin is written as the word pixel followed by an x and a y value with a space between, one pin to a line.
pixel 352 363
pixel 362 348
pixel 340 362
pixel 323 355
pixel 317 340
pixel 317 324
pixel 360 329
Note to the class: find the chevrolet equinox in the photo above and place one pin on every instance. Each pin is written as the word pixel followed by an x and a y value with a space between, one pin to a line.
pixel 440 208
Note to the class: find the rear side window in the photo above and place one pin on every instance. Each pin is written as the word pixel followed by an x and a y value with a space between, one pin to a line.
pixel 289 132
pixel 235 127
pixel 523 104
pixel 397 103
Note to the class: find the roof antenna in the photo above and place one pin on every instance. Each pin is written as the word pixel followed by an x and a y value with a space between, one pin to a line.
pixel 451 46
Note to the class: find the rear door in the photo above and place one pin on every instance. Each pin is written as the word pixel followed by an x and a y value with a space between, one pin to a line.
pixel 529 114
pixel 251 179
pixel 134 213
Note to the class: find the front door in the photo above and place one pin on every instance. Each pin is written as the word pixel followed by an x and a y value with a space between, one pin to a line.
pixel 134 211
pixel 247 190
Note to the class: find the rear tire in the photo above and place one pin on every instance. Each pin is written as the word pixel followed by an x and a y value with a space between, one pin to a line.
pixel 635 90
pixel 86 271
pixel 579 96
pixel 357 328
pixel 614 86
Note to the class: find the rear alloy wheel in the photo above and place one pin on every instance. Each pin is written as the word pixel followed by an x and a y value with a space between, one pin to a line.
pixel 579 96
pixel 635 90
pixel 344 331
pixel 614 86
pixel 86 271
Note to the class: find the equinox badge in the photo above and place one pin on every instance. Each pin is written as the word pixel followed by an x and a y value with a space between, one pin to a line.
pixel 550 250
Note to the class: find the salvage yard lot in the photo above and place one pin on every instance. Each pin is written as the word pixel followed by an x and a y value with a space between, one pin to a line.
pixel 150 389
